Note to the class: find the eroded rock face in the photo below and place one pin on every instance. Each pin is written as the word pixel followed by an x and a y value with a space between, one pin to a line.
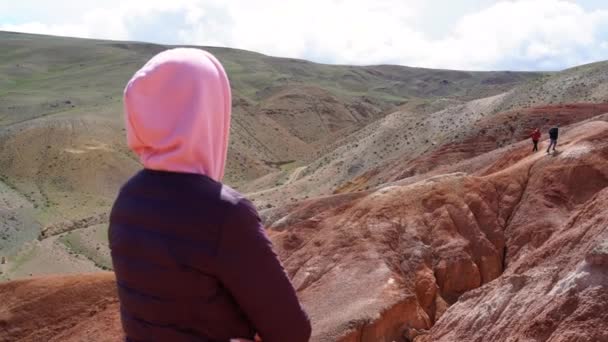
pixel 417 248
pixel 396 258
pixel 559 294
pixel 598 256
pixel 514 252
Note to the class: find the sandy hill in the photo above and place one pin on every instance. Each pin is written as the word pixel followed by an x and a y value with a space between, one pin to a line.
pixel 63 153
pixel 281 105
pixel 515 249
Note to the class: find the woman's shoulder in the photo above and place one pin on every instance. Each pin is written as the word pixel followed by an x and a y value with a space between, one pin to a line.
pixel 236 202
pixel 230 196
pixel 239 211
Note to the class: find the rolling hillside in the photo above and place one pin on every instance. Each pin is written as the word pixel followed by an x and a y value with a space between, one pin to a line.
pixel 282 106
pixel 404 203
pixel 64 157
pixel 404 137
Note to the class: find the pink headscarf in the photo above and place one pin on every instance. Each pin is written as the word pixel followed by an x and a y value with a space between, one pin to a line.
pixel 177 109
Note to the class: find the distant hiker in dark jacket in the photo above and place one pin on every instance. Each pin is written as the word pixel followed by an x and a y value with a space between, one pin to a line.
pixel 535 138
pixel 553 134
pixel 192 260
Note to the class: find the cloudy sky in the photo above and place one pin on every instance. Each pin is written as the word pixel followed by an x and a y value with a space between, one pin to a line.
pixel 455 34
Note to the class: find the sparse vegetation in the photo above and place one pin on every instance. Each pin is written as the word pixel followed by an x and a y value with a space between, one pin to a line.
pixel 64 155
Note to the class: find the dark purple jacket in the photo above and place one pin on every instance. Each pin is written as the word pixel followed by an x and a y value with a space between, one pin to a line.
pixel 193 263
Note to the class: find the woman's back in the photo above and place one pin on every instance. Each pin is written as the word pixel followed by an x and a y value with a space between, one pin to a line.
pixel 192 263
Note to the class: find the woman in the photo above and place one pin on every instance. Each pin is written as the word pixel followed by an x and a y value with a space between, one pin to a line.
pixel 535 138
pixel 191 257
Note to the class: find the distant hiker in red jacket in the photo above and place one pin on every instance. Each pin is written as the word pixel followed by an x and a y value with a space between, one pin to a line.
pixel 535 138
pixel 191 257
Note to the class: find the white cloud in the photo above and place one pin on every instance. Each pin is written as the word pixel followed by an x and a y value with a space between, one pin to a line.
pixel 527 34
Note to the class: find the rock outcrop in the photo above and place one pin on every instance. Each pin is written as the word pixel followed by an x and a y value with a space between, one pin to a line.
pixel 558 292
pixel 392 261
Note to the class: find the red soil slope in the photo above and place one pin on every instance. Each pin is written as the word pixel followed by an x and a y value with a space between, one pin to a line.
pixel 409 258
pixel 60 308
pixel 487 135
pixel 506 128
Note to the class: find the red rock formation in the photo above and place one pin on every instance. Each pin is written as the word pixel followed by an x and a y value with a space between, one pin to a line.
pixel 555 287
pixel 558 292
pixel 408 259
pixel 60 308
pixel 416 248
